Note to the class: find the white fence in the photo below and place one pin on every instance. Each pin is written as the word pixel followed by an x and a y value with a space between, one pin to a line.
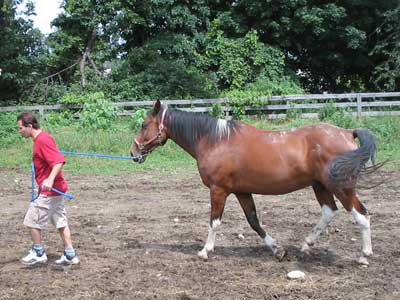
pixel 358 104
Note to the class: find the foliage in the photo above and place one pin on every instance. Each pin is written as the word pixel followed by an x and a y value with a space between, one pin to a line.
pixel 21 51
pixel 240 61
pixel 323 40
pixel 199 49
pixel 173 80
pixel 97 113
pixel 293 112
pixel 45 93
pixel 386 76
pixel 336 115
pixel 238 100
pixel 217 111
pixel 74 98
pixel 8 128
pixel 63 118
pixel 137 118
pixel 256 94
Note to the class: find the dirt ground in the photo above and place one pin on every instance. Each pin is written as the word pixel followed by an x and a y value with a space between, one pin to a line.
pixel 138 235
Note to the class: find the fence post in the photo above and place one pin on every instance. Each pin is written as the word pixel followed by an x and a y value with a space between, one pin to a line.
pixel 41 112
pixel 226 105
pixel 359 107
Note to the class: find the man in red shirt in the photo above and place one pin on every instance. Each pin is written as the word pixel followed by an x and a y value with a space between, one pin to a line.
pixel 49 205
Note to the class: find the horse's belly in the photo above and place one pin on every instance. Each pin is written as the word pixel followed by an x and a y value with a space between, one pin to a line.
pixel 273 185
pixel 257 171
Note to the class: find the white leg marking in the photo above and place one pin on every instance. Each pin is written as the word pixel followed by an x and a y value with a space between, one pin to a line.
pixel 364 223
pixel 209 246
pixel 271 243
pixel 327 215
pixel 277 251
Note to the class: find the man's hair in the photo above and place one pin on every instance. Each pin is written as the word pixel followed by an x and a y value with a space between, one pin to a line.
pixel 28 118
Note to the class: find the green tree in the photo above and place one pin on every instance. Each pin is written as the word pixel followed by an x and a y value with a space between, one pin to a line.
pixel 386 75
pixel 329 42
pixel 236 62
pixel 21 52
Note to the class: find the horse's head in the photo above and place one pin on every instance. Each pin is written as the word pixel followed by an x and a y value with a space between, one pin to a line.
pixel 151 134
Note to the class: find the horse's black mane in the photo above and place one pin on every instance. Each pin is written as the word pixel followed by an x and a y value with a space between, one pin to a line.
pixel 188 127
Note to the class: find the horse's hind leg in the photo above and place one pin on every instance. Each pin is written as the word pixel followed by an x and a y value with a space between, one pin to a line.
pixel 328 210
pixel 218 199
pixel 247 203
pixel 353 205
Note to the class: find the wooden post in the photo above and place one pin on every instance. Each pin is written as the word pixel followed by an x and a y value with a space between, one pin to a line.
pixel 359 107
pixel 225 104
pixel 41 112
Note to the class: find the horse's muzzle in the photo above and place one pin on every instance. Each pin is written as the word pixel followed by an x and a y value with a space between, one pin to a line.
pixel 139 158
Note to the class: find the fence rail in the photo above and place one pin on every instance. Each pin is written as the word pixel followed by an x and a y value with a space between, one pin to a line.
pixel 359 104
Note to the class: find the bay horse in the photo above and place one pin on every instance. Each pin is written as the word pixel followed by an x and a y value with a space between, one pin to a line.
pixel 233 157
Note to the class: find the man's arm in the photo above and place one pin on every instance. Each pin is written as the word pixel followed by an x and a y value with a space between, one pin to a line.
pixel 49 181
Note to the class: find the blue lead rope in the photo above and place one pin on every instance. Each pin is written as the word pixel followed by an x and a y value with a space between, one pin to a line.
pixel 69 196
pixel 33 182
pixel 33 197
pixel 96 155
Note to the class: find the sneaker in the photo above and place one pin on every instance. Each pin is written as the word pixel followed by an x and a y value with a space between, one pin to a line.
pixel 64 260
pixel 32 258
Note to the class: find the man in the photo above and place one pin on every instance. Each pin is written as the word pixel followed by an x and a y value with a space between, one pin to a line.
pixel 48 162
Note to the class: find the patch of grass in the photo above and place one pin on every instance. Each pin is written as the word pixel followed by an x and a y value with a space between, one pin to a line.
pixel 16 151
pixel 114 142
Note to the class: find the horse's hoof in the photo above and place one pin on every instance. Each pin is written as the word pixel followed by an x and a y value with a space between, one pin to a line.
pixel 305 248
pixel 363 261
pixel 202 254
pixel 279 253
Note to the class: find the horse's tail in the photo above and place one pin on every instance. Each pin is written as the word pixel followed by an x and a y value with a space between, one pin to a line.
pixel 345 168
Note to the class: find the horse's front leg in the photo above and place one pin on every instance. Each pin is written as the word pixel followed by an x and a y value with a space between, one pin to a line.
pixel 218 199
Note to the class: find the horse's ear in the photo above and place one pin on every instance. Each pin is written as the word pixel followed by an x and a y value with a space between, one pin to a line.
pixel 156 106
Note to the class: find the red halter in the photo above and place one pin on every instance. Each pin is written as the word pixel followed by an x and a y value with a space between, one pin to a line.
pixel 160 128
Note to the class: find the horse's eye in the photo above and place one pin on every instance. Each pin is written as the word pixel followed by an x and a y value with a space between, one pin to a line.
pixel 144 126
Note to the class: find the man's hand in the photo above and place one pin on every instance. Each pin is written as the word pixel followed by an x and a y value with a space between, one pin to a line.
pixel 47 184
pixel 49 181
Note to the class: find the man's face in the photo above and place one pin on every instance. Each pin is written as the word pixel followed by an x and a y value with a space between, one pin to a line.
pixel 25 131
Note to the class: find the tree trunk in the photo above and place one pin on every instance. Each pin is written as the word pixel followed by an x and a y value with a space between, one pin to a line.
pixel 86 55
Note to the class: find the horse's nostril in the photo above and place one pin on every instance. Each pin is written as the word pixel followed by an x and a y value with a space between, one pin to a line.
pixel 136 157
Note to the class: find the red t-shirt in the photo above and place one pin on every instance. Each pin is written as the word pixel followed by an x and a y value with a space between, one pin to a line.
pixel 45 156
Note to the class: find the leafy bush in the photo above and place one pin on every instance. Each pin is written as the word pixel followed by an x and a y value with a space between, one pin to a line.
pixel 238 100
pixel 173 80
pixel 8 128
pixel 138 118
pixel 256 94
pixel 337 116
pixel 60 119
pixel 285 85
pixel 98 112
pixel 216 111
pixel 238 62
pixel 72 98
pixel 294 113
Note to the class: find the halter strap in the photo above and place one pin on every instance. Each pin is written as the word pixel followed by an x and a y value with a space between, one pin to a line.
pixel 160 128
